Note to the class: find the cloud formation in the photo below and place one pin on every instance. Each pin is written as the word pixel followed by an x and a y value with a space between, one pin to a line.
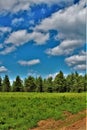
pixel 20 37
pixel 70 25
pixel 68 22
pixel 77 62
pixel 3 69
pixel 66 47
pixel 7 50
pixel 29 63
pixel 5 29
pixel 14 6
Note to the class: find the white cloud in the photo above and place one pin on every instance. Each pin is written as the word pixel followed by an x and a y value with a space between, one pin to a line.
pixel 29 63
pixel 5 29
pixel 63 21
pixel 52 75
pixel 66 47
pixel 80 67
pixel 3 69
pixel 78 62
pixel 70 25
pixel 7 50
pixel 71 30
pixel 20 37
pixel 17 21
pixel 50 2
pixel 14 6
pixel 39 37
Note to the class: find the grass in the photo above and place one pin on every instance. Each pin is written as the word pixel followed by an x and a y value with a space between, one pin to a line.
pixel 21 111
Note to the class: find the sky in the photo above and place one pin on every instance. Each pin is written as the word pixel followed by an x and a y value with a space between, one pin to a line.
pixel 39 37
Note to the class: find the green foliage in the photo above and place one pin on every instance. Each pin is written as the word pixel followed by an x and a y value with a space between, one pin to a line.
pixel 29 84
pixel 50 84
pixel 73 82
pixel 59 82
pixel 0 84
pixel 21 111
pixel 17 85
pixel 6 84
pixel 39 84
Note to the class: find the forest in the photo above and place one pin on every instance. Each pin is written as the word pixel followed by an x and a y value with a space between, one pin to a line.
pixel 73 82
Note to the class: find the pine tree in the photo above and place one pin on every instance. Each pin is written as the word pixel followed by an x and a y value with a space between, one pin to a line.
pixel 59 82
pixel 39 84
pixel 17 85
pixel 6 84
pixel 29 84
pixel 0 84
pixel 49 84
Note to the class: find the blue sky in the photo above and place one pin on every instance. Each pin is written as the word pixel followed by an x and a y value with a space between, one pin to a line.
pixel 42 37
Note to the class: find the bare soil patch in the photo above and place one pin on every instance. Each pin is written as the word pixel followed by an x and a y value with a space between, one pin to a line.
pixel 72 122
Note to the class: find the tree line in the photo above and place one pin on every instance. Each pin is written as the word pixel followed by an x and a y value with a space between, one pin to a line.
pixel 73 82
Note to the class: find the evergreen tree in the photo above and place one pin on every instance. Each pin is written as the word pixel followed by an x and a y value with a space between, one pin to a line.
pixel 39 84
pixel 45 85
pixel 0 84
pixel 59 82
pixel 29 84
pixel 18 85
pixel 6 84
pixel 85 82
pixel 70 82
pixel 49 84
pixel 74 82
pixel 80 83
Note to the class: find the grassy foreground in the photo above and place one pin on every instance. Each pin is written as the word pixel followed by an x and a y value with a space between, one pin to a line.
pixel 21 111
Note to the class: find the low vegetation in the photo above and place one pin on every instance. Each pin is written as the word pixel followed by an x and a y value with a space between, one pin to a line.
pixel 21 111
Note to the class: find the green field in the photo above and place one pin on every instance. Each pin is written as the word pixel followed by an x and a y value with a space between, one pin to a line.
pixel 21 111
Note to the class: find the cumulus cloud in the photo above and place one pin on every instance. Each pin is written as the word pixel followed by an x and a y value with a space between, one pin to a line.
pixel 18 38
pixel 80 67
pixel 63 21
pixel 4 30
pixel 15 6
pixel 7 50
pixel 66 47
pixel 29 63
pixel 39 38
pixel 22 36
pixel 3 69
pixel 78 62
pixel 70 25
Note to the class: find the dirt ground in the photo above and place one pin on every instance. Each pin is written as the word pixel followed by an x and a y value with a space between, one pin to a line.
pixel 72 122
